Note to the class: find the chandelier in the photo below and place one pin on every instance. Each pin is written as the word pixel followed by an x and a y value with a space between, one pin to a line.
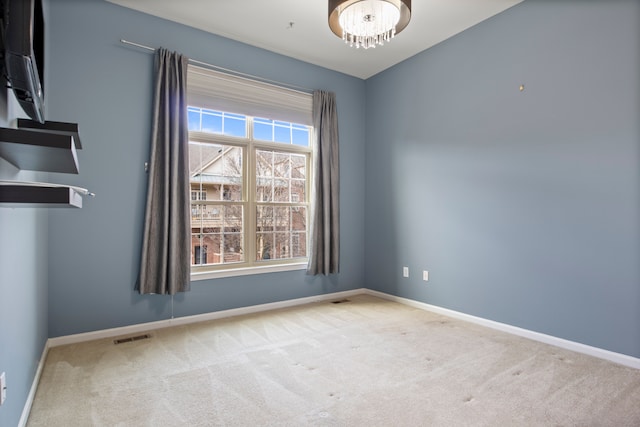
pixel 367 23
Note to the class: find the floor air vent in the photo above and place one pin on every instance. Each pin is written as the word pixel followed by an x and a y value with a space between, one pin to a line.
pixel 340 301
pixel 131 339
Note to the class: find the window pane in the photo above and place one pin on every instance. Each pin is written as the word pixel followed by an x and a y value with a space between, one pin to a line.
pixel 194 118
pixel 232 162
pixel 282 132
pixel 264 219
pixel 233 218
pixel 215 245
pixel 263 129
pixel 298 166
pixel 298 190
pixel 282 245
pixel 281 191
pixel 233 248
pixel 216 234
pixel 204 248
pixel 205 216
pixel 216 171
pixel 264 246
pixel 232 234
pixel 281 165
pixel 281 232
pixel 300 136
pixel 264 163
pixel 298 245
pixel 235 125
pixel 197 250
pixel 299 219
pixel 216 174
pixel 266 226
pixel 285 167
pixel 200 255
pixel 210 215
pixel 264 190
pixel 205 228
pixel 196 214
pixel 279 131
pixel 211 121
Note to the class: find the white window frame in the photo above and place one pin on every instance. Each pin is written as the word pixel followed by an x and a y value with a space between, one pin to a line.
pixel 218 91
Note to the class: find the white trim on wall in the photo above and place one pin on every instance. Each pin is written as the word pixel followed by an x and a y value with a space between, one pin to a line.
pixel 145 327
pixel 26 410
pixel 611 356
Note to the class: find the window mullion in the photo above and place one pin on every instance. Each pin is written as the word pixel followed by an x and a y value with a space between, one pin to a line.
pixel 273 177
pixel 308 202
pixel 249 184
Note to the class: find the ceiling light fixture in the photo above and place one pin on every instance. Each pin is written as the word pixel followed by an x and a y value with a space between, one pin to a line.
pixel 367 23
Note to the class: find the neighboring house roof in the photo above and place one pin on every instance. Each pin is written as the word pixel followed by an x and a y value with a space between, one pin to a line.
pixel 206 168
pixel 217 179
pixel 207 154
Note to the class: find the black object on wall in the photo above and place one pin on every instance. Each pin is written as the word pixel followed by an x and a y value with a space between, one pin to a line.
pixel 23 53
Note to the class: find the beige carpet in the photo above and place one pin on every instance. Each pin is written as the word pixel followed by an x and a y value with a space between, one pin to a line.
pixel 366 362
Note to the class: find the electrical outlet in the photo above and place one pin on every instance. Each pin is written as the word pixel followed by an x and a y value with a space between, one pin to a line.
pixel 3 388
pixel 405 271
pixel 425 275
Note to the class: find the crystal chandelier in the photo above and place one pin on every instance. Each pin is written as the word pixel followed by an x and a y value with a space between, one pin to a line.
pixel 367 23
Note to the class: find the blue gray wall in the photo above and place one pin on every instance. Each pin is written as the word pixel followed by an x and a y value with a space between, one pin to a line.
pixel 23 281
pixel 105 87
pixel 23 291
pixel 523 206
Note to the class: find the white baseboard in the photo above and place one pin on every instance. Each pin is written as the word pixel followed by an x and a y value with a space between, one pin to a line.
pixel 34 387
pixel 145 327
pixel 619 358
pixel 611 356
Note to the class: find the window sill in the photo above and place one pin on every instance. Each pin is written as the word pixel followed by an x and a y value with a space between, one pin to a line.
pixel 217 274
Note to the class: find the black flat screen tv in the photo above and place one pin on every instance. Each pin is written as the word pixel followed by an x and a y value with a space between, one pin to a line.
pixel 23 39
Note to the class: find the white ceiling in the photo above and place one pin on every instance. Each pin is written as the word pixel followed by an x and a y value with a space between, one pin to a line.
pixel 266 24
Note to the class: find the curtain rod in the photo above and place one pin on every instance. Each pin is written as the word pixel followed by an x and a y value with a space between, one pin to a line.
pixel 226 70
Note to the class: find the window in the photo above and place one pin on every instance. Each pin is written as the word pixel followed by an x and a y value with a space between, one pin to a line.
pixel 198 195
pixel 250 156
pixel 249 190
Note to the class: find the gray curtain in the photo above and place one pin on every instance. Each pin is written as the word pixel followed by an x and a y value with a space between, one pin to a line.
pixel 166 245
pixel 324 257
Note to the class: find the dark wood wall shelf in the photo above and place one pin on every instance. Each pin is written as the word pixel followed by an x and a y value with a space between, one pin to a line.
pixel 60 128
pixel 45 147
pixel 38 151
pixel 39 196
